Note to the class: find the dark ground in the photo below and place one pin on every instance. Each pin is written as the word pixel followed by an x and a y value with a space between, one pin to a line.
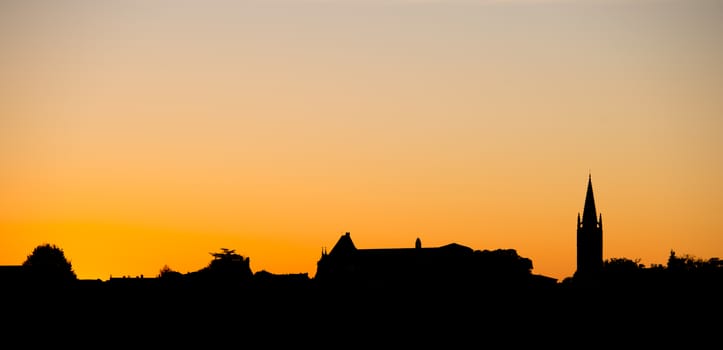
pixel 349 317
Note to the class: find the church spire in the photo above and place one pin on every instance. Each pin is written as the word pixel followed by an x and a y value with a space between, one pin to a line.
pixel 589 236
pixel 589 213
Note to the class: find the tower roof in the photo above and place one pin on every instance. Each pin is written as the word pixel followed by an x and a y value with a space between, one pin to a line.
pixel 589 213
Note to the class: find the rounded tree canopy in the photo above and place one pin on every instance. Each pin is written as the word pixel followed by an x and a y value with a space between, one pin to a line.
pixel 48 262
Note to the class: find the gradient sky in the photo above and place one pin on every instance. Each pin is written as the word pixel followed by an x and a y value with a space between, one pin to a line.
pixel 138 134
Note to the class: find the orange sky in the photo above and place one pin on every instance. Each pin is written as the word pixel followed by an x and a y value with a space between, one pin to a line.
pixel 138 134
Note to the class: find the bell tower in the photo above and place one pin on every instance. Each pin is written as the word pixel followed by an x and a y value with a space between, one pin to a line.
pixel 589 237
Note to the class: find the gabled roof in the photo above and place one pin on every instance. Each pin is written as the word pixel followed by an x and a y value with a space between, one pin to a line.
pixel 343 246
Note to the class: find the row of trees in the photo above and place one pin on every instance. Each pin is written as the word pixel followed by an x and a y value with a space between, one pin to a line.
pixel 680 271
pixel 47 263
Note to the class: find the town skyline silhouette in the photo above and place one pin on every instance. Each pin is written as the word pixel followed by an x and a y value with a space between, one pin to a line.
pixel 367 293
pixel 589 241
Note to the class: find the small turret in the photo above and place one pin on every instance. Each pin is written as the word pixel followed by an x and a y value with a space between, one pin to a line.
pixel 599 222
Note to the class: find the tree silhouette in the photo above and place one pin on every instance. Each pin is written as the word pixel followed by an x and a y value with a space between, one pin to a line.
pixel 230 264
pixel 686 262
pixel 227 268
pixel 167 273
pixel 688 270
pixel 622 264
pixel 47 263
pixel 226 254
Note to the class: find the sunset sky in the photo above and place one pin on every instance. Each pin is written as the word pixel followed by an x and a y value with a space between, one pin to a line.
pixel 138 134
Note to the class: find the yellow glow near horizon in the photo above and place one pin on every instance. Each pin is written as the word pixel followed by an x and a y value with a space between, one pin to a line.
pixel 138 135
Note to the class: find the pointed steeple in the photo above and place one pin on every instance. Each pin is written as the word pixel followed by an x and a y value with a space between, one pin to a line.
pixel 589 213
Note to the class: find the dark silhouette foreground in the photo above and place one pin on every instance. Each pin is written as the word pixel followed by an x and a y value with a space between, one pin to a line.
pixel 627 305
pixel 449 297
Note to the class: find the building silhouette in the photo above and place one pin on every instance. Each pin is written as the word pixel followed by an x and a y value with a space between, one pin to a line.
pixel 382 266
pixel 451 265
pixel 589 237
